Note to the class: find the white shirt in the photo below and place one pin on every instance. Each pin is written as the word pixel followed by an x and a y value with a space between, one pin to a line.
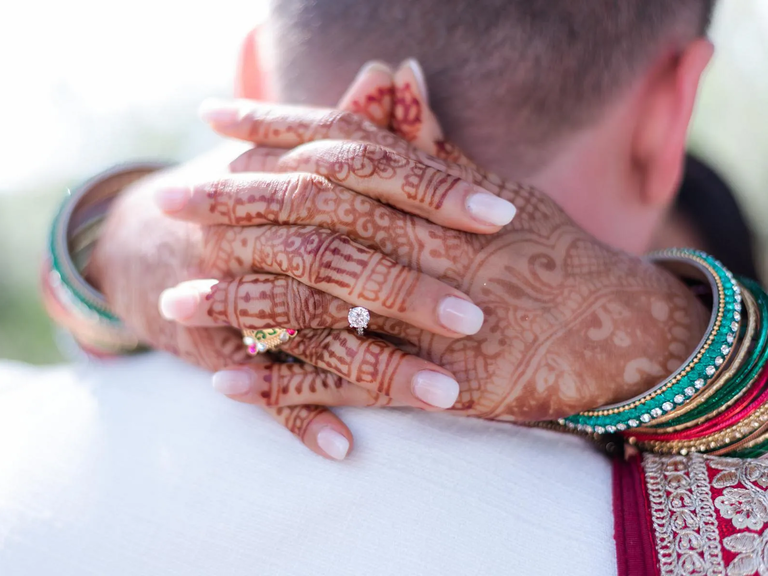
pixel 137 467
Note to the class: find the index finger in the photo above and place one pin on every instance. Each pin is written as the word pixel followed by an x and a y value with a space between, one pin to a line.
pixel 288 126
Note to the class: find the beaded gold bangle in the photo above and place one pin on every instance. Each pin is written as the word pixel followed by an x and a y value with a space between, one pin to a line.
pixel 720 439
pixel 755 439
pixel 700 369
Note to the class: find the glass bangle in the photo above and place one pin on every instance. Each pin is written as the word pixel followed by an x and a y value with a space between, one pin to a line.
pixel 744 377
pixel 702 366
pixel 79 307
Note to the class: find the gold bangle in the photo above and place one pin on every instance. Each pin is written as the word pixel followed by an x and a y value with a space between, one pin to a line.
pixel 704 346
pixel 753 439
pixel 742 429
pixel 753 315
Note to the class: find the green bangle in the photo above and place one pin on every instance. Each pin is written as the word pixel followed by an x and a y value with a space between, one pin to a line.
pixel 84 310
pixel 744 378
pixel 702 367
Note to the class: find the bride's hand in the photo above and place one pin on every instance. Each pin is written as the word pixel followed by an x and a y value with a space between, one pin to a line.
pixel 569 323
pixel 141 252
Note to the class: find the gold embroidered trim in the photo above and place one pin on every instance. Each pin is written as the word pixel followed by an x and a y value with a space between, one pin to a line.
pixel 683 516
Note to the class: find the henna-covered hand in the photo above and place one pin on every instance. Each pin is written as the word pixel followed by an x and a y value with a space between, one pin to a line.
pixel 141 252
pixel 569 322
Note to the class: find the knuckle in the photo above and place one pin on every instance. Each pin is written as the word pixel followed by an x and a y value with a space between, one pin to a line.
pixel 301 191
pixel 217 303
pixel 308 307
pixel 340 123
pixel 314 347
pixel 219 190
pixel 334 255
pixel 245 303
pixel 295 198
pixel 330 381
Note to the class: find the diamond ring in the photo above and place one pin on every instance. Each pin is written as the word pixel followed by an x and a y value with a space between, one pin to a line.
pixel 358 318
pixel 260 341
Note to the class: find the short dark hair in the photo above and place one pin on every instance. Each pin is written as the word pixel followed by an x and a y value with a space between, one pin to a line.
pixel 541 68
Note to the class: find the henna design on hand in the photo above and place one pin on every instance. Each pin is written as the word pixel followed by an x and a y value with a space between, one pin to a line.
pixel 567 319
pixel 546 288
pixel 406 113
pixel 297 419
pixel 376 106
pixel 294 384
pixel 367 362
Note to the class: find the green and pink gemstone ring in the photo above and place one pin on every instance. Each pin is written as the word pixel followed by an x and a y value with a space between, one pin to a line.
pixel 260 341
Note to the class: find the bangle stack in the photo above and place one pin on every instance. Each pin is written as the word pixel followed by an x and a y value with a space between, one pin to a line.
pixel 69 299
pixel 717 401
pixel 710 357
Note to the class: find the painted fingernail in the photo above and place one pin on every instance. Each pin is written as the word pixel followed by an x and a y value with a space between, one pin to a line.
pixel 179 303
pixel 460 315
pixel 490 209
pixel 435 389
pixel 219 112
pixel 373 66
pixel 173 199
pixel 418 74
pixel 231 382
pixel 333 443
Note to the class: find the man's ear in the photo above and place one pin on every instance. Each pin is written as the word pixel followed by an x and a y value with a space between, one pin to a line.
pixel 662 125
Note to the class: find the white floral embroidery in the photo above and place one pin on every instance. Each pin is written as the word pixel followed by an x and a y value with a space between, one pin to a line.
pixel 752 550
pixel 685 515
pixel 744 500
pixel 684 518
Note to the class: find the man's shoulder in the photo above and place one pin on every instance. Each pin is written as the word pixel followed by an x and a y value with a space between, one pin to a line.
pixel 141 454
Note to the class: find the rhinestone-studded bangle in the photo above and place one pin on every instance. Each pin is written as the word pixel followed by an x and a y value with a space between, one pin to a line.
pixel 702 367
pixel 738 380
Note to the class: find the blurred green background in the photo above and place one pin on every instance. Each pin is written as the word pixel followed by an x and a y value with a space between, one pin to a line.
pixel 84 99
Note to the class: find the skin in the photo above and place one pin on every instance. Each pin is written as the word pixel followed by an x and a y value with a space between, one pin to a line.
pixel 569 322
pixel 522 295
pixel 528 361
pixel 137 237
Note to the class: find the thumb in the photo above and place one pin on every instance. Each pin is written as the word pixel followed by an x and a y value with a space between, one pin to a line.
pixel 413 119
pixel 370 93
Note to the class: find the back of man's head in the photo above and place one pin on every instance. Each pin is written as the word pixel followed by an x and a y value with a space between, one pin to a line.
pixel 509 76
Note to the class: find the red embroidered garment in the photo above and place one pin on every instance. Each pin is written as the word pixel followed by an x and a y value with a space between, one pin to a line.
pixel 691 515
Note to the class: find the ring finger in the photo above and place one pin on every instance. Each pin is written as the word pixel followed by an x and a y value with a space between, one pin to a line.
pixel 260 301
pixel 279 385
pixel 332 263
pixel 377 366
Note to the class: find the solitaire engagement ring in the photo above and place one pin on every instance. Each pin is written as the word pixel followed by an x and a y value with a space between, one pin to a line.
pixel 358 318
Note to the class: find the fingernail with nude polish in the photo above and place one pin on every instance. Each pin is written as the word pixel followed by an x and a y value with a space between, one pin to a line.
pixel 373 66
pixel 460 315
pixel 489 208
pixel 332 443
pixel 219 112
pixel 231 382
pixel 418 74
pixel 173 199
pixel 179 303
pixel 435 389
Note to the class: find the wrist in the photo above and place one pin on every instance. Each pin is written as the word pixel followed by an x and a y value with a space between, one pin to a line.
pixel 70 296
pixel 703 365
